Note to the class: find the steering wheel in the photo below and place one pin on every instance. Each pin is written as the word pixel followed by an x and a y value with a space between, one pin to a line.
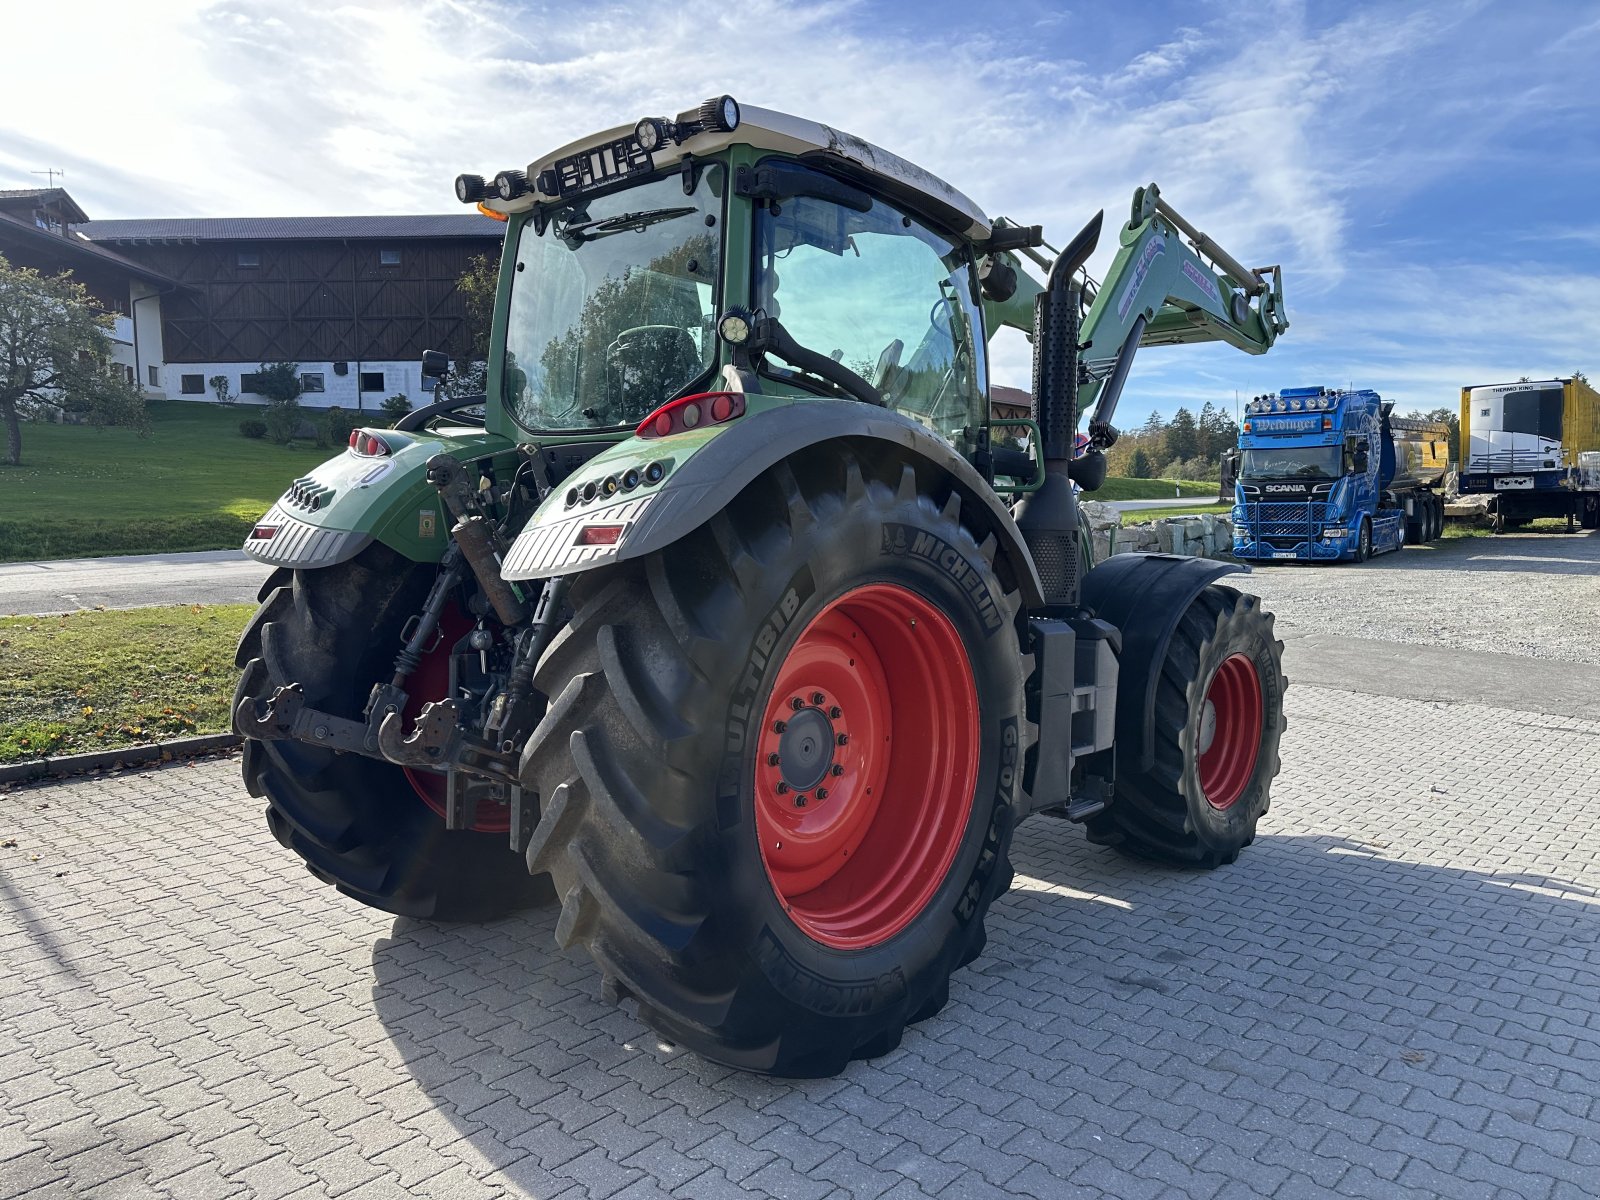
pixel 944 308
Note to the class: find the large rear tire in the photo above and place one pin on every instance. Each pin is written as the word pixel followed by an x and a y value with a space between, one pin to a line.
pixel 361 824
pixel 1218 722
pixel 780 764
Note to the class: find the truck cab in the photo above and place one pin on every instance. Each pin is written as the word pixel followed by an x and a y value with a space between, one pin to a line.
pixel 1325 475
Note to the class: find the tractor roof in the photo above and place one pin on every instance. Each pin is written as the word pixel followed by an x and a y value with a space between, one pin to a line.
pixel 767 129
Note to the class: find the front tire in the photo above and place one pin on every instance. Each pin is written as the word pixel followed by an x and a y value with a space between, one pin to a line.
pixel 1364 541
pixel 360 824
pixel 781 765
pixel 1219 719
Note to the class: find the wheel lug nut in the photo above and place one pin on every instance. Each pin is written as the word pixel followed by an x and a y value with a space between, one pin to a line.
pixel 800 800
pixel 836 712
pixel 822 793
pixel 837 770
pixel 797 704
pixel 843 739
pixel 773 760
pixel 817 698
pixel 782 787
pixel 779 726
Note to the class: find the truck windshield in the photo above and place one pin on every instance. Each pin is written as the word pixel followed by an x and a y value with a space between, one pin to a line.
pixel 612 305
pixel 1290 462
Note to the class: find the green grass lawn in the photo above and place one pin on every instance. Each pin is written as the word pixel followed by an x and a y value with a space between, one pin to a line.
pixel 1117 488
pixel 104 680
pixel 196 483
pixel 1140 515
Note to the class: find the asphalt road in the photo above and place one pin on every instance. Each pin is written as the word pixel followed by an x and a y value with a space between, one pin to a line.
pixel 71 584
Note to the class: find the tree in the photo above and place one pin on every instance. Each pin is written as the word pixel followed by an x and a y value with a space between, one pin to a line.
pixel 1217 432
pixel 477 287
pixel 54 347
pixel 1139 467
pixel 1182 437
pixel 222 389
pixel 279 382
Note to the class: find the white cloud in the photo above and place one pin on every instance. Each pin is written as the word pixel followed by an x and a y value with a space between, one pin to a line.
pixel 1288 139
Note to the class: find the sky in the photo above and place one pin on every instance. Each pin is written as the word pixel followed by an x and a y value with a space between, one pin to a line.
pixel 1428 175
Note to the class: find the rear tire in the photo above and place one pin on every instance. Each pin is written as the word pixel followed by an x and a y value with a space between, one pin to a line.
pixel 1218 722
pixel 755 933
pixel 358 823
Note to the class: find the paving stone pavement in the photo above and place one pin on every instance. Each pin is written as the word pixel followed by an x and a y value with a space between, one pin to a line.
pixel 1395 992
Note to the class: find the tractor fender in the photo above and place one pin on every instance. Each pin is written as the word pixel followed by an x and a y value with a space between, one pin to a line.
pixel 1145 596
pixel 715 471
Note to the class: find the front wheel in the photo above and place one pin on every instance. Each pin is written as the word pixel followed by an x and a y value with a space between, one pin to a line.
pixel 1364 541
pixel 1218 722
pixel 780 769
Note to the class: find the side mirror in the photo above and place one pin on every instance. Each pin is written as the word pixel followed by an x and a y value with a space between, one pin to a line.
pixel 435 364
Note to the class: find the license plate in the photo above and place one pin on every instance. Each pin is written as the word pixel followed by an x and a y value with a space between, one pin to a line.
pixel 1283 554
pixel 1509 482
pixel 594 168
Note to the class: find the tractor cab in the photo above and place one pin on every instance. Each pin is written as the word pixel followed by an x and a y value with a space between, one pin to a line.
pixel 848 272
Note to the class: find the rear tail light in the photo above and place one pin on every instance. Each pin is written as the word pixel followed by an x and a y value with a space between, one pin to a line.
pixel 368 445
pixel 691 412
pixel 599 535
pixel 1327 423
pixel 262 533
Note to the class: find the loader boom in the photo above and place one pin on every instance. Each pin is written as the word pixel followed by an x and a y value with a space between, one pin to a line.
pixel 1169 284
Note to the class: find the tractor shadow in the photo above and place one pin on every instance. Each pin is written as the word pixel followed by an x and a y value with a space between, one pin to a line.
pixel 1317 984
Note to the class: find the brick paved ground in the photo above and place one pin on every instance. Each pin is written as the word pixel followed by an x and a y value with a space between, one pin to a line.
pixel 1395 992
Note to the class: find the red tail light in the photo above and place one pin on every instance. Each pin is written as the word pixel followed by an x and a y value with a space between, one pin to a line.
pixel 368 445
pixel 691 412
pixel 599 535
pixel 262 533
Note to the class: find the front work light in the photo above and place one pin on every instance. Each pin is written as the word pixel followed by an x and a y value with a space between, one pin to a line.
pixel 471 188
pixel 508 185
pixel 650 133
pixel 734 327
pixel 720 114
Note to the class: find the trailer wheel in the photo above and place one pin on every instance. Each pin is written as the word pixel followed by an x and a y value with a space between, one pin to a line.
pixel 1219 719
pixel 781 765
pixel 363 825
pixel 1363 549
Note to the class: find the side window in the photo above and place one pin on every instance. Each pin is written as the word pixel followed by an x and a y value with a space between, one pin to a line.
pixel 882 294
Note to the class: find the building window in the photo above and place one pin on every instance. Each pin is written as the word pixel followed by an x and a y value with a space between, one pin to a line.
pixel 389 257
pixel 249 258
pixel 127 372
pixel 155 377
pixel 250 381
pixel 372 381
pixel 192 385
pixel 311 381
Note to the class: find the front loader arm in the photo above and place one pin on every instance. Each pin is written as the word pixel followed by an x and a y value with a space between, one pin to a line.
pixel 1169 284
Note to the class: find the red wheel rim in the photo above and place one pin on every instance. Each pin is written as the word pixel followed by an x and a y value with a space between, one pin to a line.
pixel 1230 731
pixel 431 681
pixel 866 765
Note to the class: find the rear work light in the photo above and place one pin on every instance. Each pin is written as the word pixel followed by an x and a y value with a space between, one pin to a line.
pixel 368 445
pixel 691 412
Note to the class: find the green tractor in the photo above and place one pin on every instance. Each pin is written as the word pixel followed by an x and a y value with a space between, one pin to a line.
pixel 731 620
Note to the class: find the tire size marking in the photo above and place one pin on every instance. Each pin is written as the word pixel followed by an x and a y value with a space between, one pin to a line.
pixel 1010 752
pixel 744 705
pixel 902 541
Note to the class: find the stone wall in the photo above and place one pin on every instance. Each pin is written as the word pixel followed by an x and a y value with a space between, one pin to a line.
pixel 1204 535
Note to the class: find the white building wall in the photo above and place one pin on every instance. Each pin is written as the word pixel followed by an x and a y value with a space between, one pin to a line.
pixel 145 328
pixel 338 390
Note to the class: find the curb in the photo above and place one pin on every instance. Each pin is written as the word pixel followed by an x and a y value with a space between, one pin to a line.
pixel 77 764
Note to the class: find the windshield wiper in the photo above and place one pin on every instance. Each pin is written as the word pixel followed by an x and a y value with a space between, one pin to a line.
pixel 633 222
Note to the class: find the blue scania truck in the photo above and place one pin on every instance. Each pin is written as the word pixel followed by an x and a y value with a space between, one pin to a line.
pixel 1325 475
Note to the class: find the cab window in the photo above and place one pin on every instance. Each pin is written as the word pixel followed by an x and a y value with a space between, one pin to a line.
pixel 881 294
